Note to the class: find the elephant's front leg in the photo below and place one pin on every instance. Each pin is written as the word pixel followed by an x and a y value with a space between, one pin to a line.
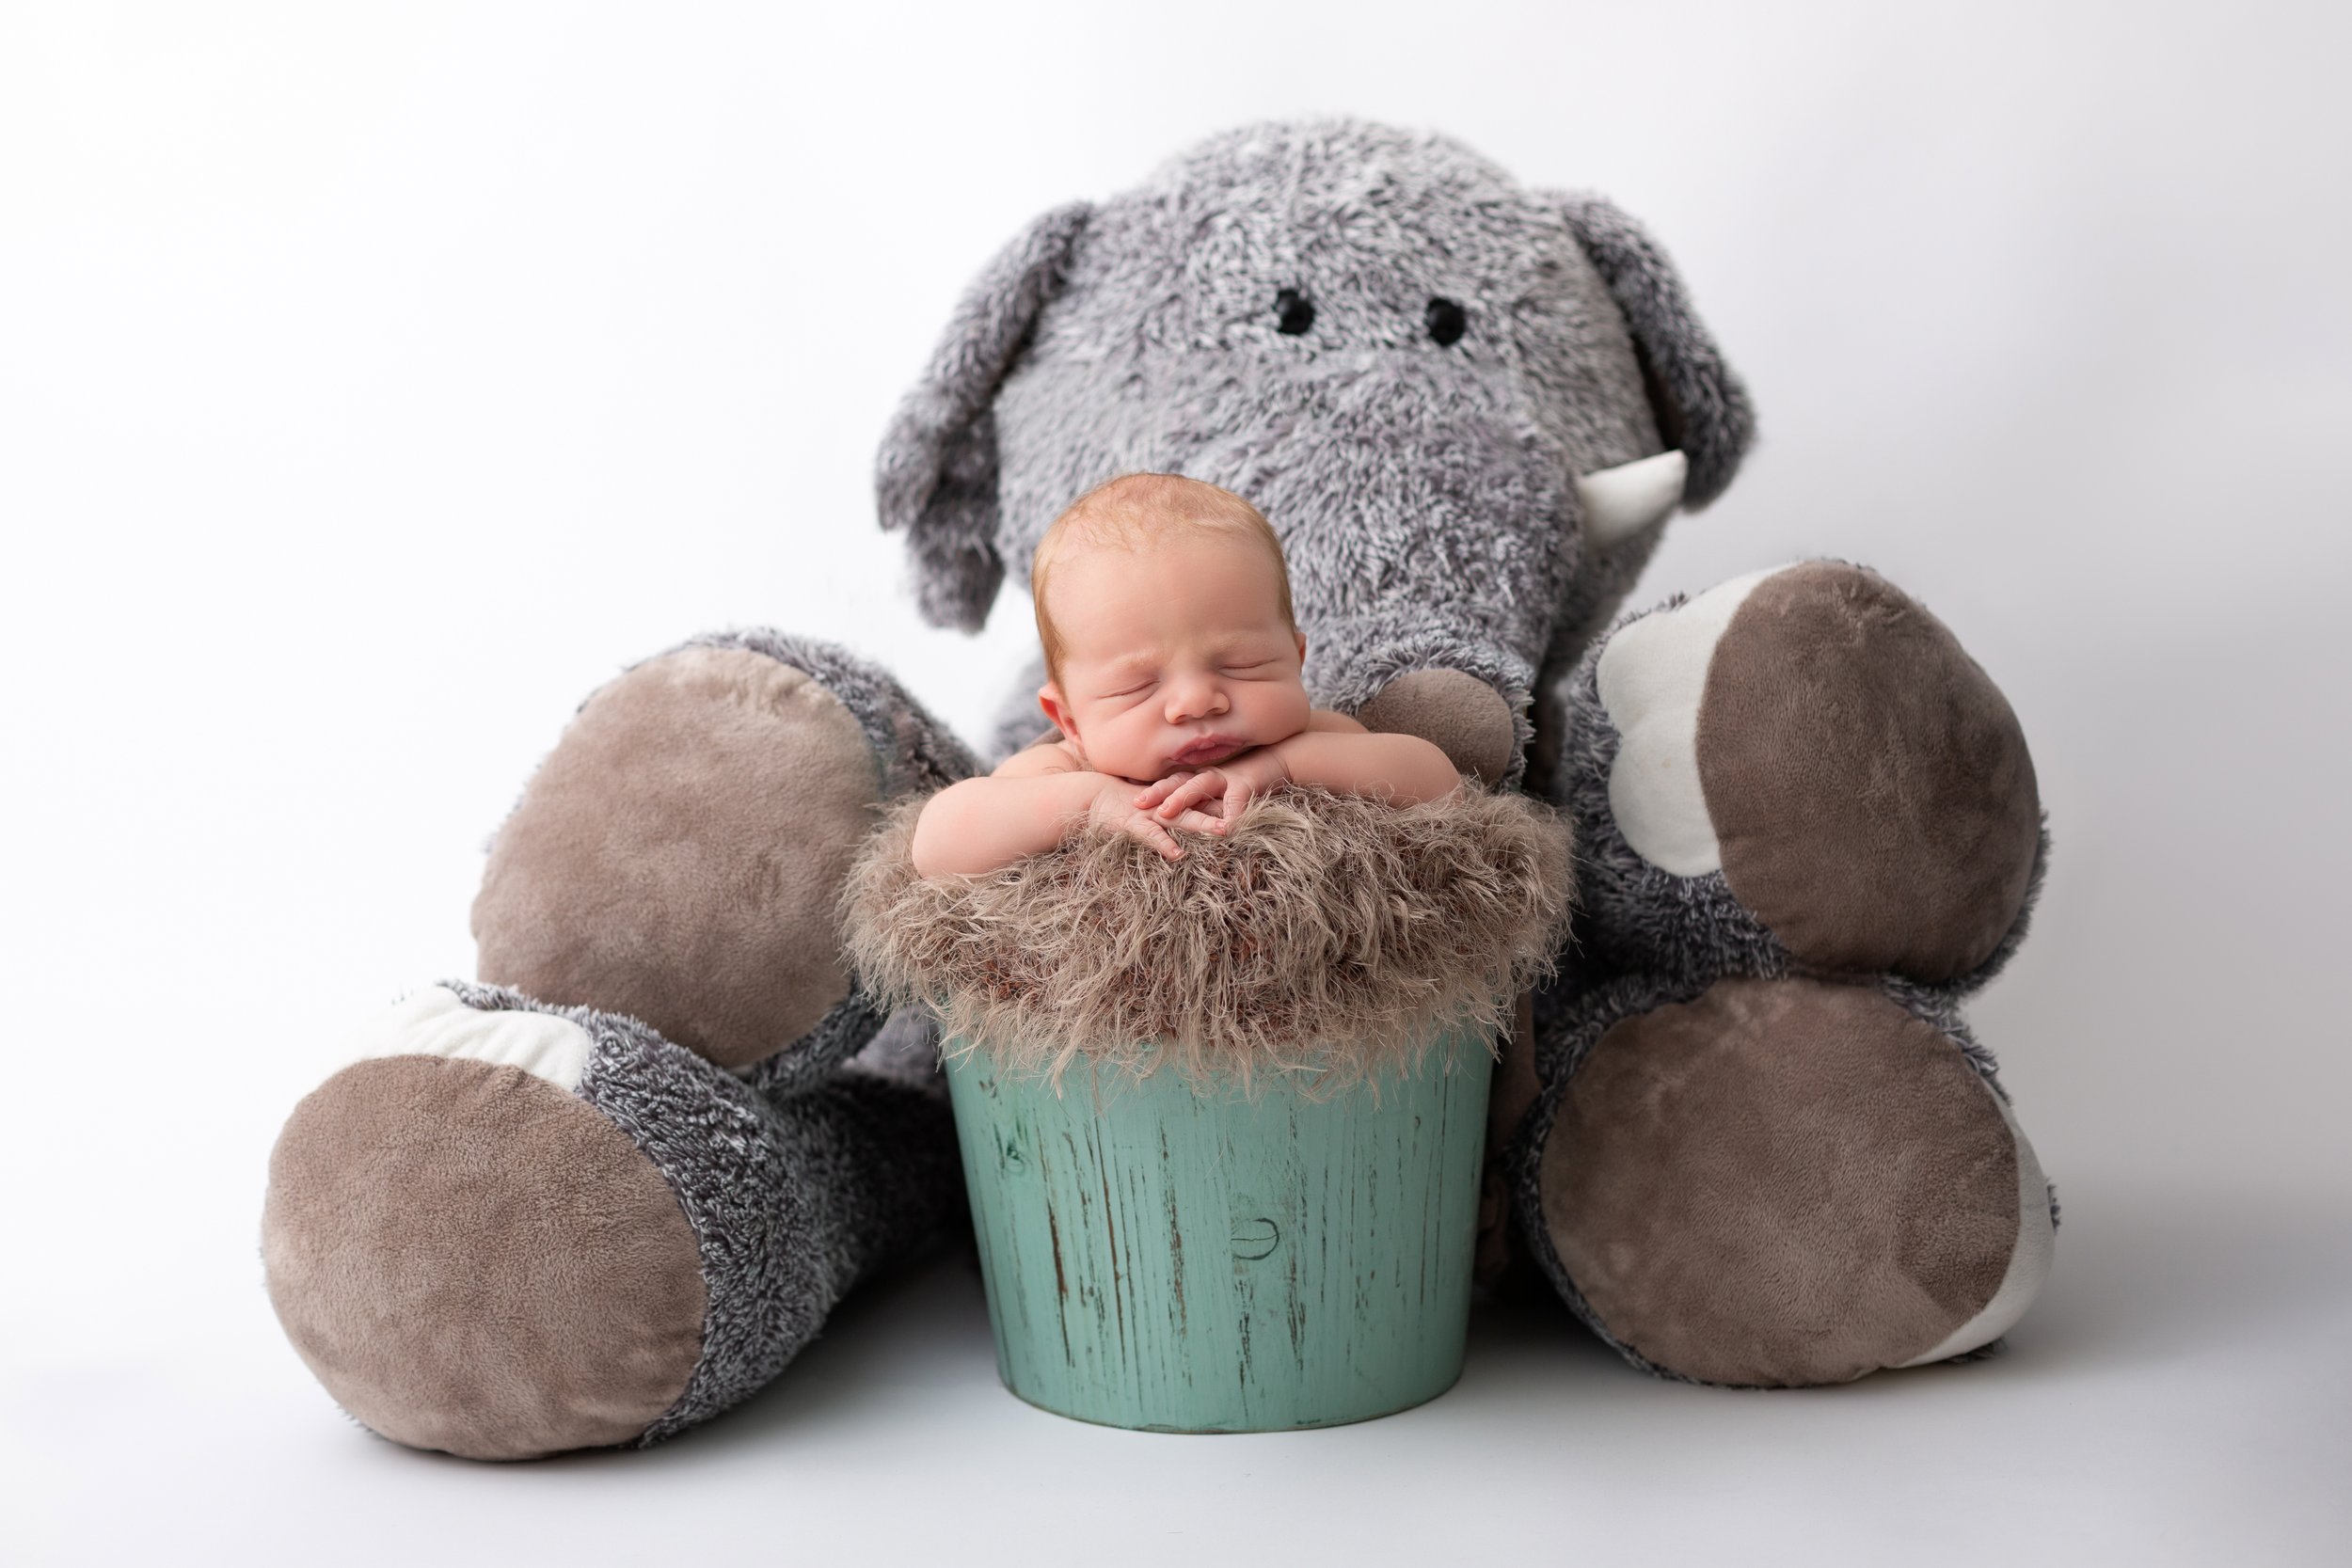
pixel 1408 669
pixel 1766 1151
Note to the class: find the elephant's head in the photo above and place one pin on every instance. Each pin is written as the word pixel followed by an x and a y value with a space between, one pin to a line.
pixel 1467 407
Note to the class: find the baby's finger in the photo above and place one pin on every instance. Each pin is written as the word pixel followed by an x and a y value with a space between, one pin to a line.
pixel 1237 796
pixel 1190 793
pixel 1199 822
pixel 1154 793
pixel 1157 837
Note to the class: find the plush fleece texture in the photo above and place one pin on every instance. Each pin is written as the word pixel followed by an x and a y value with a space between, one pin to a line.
pixel 1328 935
pixel 1422 483
pixel 672 858
pixel 1766 1182
pixel 1870 784
pixel 1779 1183
pixel 472 1259
pixel 1635 917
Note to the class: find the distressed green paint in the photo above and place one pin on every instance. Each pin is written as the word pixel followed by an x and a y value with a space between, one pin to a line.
pixel 1181 1262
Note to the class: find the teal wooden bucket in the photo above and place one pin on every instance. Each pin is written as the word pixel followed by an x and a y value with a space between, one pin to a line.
pixel 1179 1261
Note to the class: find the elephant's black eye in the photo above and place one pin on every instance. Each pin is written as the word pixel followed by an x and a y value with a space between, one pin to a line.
pixel 1293 312
pixel 1446 321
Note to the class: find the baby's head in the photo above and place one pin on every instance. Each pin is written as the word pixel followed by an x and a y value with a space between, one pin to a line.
pixel 1165 609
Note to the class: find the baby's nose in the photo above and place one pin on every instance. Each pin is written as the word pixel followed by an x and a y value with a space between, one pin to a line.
pixel 1196 700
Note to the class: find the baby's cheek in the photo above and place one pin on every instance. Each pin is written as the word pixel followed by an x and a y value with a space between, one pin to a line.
pixel 1295 710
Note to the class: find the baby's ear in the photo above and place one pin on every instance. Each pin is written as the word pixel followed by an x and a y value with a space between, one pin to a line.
pixel 1049 698
pixel 935 476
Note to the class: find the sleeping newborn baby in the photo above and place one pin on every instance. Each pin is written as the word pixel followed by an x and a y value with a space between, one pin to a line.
pixel 1172 671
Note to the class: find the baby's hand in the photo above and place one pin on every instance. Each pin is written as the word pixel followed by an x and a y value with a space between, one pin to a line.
pixel 1120 804
pixel 1214 793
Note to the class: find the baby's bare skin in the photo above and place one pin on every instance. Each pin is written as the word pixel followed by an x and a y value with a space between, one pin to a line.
pixel 1179 698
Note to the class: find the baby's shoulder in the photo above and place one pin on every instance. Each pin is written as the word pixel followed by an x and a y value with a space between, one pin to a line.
pixel 1051 755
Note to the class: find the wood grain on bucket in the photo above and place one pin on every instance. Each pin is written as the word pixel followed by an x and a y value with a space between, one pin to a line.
pixel 1175 1262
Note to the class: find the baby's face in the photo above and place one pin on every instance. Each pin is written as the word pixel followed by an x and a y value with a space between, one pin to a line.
pixel 1175 655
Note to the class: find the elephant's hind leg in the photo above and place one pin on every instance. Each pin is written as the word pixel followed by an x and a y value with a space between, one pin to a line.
pixel 1783 1183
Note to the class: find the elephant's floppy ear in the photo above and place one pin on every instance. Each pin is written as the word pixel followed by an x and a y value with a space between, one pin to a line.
pixel 1700 405
pixel 936 473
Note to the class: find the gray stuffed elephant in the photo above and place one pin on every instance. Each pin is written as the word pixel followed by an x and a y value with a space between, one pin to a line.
pixel 1468 407
pixel 610 1189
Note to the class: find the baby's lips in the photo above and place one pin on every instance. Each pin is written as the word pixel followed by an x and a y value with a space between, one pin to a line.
pixel 1208 752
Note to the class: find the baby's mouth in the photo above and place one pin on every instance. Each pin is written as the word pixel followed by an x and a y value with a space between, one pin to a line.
pixel 1208 749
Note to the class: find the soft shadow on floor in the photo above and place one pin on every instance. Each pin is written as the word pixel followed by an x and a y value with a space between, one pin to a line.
pixel 2146 1277
pixel 926 1328
pixel 924 1323
pixel 2143 1279
pixel 1523 1324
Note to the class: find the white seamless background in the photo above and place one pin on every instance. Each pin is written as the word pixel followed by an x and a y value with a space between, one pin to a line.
pixel 376 381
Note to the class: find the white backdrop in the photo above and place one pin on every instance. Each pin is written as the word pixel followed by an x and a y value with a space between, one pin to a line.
pixel 376 381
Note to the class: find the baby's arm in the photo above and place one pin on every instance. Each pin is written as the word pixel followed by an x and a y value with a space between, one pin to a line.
pixel 1404 767
pixel 1025 806
pixel 1333 752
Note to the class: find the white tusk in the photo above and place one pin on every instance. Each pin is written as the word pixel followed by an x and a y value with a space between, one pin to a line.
pixel 1623 500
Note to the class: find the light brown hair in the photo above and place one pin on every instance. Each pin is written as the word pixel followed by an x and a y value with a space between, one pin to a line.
pixel 1132 511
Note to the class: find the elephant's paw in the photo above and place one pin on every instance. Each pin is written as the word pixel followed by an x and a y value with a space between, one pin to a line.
pixel 509 1229
pixel 1783 1183
pixel 468 1255
pixel 678 857
pixel 1812 743
pixel 1461 715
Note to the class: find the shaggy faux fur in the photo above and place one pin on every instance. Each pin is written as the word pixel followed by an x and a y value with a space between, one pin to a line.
pixel 1327 934
pixel 1422 482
